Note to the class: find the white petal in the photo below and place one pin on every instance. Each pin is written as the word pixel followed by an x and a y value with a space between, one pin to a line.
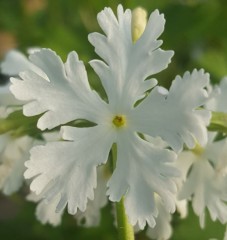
pixel 45 211
pixel 13 156
pixel 207 191
pixel 69 168
pixel 218 102
pixel 7 101
pixel 141 171
pixel 92 215
pixel 175 117
pixel 163 228
pixel 66 95
pixel 16 62
pixel 126 65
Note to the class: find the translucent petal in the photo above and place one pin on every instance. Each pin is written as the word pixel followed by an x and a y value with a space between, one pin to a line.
pixel 125 64
pixel 175 117
pixel 69 168
pixel 64 96
pixel 141 171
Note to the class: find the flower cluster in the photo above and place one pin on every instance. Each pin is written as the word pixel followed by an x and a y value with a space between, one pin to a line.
pixel 163 150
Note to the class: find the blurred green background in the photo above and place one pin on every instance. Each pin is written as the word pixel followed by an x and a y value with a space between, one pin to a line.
pixel 195 29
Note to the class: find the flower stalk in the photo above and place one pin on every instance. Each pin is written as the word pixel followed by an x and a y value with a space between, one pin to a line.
pixel 125 229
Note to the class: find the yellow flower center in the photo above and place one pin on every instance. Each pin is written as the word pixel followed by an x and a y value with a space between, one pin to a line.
pixel 119 121
pixel 198 150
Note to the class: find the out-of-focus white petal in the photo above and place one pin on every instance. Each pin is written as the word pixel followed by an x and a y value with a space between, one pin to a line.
pixel 12 157
pixel 125 64
pixel 91 216
pixel 45 211
pixel 163 229
pixel 7 101
pixel 175 116
pixel 67 90
pixel 69 168
pixel 141 171
pixel 218 102
pixel 216 152
pixel 206 190
pixel 16 62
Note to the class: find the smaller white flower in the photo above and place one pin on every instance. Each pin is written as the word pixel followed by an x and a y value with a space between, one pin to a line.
pixel 205 184
pixel 204 169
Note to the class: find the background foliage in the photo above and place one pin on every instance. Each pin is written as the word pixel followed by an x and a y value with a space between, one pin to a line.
pixel 195 29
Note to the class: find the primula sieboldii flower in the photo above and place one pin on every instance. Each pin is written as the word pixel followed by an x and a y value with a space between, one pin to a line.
pixel 205 169
pixel 61 92
pixel 205 184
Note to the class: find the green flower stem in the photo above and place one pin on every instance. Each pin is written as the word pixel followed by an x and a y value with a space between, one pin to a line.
pixel 125 229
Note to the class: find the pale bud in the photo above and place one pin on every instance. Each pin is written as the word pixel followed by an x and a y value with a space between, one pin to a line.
pixel 139 21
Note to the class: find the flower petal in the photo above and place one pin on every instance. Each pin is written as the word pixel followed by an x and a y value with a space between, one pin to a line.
pixel 126 65
pixel 16 62
pixel 65 89
pixel 91 217
pixel 45 211
pixel 13 156
pixel 142 170
pixel 218 102
pixel 69 168
pixel 206 190
pixel 163 229
pixel 175 116
pixel 7 101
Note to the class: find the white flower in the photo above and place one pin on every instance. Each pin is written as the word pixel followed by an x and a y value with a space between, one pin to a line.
pixel 62 93
pixel 205 184
pixel 205 169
